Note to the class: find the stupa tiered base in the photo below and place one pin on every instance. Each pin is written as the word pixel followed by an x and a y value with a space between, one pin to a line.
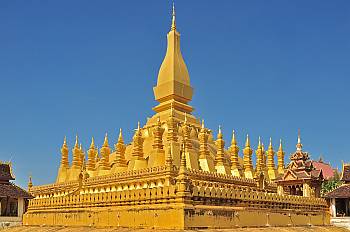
pixel 203 200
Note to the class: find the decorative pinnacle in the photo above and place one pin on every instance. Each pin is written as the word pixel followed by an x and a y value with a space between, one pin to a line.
pixel 203 124
pixel 120 137
pixel 262 147
pixel 259 144
pixel 92 145
pixel 280 147
pixel 30 182
pixel 173 21
pixel 76 142
pixel 299 145
pixel 105 142
pixel 219 133
pixel 183 159
pixel 247 142
pixel 270 145
pixel 138 125
pixel 65 141
pixel 233 138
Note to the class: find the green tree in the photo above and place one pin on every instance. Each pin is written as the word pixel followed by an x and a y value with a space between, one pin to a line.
pixel 331 184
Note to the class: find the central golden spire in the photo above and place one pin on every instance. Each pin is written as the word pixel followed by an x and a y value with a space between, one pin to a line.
pixel 173 84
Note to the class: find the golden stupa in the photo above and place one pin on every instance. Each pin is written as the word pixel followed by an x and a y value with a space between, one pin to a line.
pixel 174 174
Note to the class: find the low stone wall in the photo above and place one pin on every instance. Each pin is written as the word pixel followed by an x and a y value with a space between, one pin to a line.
pixel 165 208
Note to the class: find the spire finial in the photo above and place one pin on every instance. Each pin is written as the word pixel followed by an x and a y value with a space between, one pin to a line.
pixel 120 134
pixel 220 133
pixel 270 145
pixel 92 146
pixel 65 141
pixel 138 125
pixel 247 142
pixel 76 141
pixel 280 147
pixel 30 182
pixel 299 145
pixel 233 141
pixel 259 144
pixel 173 21
pixel 203 124
pixel 105 142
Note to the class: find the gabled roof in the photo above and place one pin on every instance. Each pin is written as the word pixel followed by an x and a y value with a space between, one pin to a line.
pixel 342 191
pixel 345 176
pixel 12 190
pixel 327 170
pixel 6 172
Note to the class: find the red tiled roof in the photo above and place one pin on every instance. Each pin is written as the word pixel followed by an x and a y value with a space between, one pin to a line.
pixel 12 190
pixel 5 172
pixel 342 191
pixel 327 170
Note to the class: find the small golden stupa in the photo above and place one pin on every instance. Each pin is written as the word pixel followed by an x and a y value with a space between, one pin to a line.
pixel 174 174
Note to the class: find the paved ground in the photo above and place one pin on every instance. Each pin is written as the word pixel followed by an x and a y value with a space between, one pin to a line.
pixel 88 229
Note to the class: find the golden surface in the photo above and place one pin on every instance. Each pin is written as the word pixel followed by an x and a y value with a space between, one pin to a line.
pixel 87 229
pixel 172 176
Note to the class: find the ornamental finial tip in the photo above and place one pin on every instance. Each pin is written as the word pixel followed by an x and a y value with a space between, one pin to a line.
pixel 105 142
pixel 280 147
pixel 92 145
pixel 247 142
pixel 76 141
pixel 173 21
pixel 233 141
pixel 299 145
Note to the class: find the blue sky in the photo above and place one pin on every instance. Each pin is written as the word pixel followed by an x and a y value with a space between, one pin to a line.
pixel 88 67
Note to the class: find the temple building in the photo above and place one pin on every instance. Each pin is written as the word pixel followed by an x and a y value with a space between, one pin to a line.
pixel 339 198
pixel 13 199
pixel 328 171
pixel 301 177
pixel 175 174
